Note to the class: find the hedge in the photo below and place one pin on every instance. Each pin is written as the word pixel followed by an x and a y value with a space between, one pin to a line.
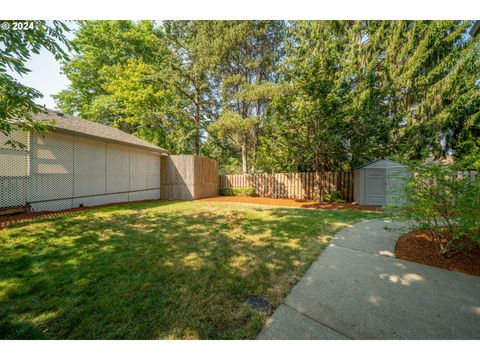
pixel 237 192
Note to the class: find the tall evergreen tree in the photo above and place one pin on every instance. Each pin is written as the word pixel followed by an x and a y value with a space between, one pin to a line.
pixel 247 55
pixel 189 73
pixel 365 89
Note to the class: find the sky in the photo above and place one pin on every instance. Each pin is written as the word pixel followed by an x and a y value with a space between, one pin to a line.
pixel 45 75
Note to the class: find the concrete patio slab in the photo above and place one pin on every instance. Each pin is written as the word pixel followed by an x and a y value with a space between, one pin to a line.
pixel 371 236
pixel 360 295
pixel 301 327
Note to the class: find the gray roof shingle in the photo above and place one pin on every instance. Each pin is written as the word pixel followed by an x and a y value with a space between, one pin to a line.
pixel 73 124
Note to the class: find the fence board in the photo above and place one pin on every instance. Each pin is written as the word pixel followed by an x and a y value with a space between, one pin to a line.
pixel 305 185
pixel 309 185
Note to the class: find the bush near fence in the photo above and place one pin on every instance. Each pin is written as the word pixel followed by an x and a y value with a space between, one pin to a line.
pixel 305 185
pixel 237 192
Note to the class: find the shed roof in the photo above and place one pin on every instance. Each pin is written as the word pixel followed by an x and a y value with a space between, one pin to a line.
pixel 378 160
pixel 73 124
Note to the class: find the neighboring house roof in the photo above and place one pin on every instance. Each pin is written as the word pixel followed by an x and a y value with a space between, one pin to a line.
pixel 475 28
pixel 378 160
pixel 73 124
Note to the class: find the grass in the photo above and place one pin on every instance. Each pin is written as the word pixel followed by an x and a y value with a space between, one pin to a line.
pixel 159 270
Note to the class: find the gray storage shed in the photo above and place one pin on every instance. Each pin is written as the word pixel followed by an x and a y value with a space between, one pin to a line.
pixel 379 182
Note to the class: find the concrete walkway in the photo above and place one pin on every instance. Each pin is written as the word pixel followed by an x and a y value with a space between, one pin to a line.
pixel 356 289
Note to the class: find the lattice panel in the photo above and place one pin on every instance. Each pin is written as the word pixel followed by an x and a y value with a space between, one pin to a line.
pixel 89 167
pixel 100 199
pixel 51 168
pixel 13 171
pixel 153 171
pixel 118 168
pixel 144 195
pixel 138 169
pixel 59 171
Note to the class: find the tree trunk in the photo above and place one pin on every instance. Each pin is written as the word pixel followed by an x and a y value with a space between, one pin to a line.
pixel 255 137
pixel 197 124
pixel 244 158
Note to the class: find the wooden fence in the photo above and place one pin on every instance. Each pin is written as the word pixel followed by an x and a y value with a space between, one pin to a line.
pixel 307 185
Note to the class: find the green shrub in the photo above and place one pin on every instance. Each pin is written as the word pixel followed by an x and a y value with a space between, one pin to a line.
pixel 336 196
pixel 445 204
pixel 237 192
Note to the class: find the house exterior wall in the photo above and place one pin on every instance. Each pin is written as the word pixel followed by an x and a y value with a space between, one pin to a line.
pixel 59 171
pixel 14 171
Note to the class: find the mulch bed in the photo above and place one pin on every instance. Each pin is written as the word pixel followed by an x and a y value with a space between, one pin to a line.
pixel 305 204
pixel 418 246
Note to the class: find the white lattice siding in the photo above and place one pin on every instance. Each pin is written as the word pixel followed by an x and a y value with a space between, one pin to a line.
pixel 138 169
pixel 153 171
pixel 100 199
pixel 144 195
pixel 51 167
pixel 53 205
pixel 13 171
pixel 58 171
pixel 89 167
pixel 118 170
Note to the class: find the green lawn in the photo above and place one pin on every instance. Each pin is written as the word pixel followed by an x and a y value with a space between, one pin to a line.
pixel 159 270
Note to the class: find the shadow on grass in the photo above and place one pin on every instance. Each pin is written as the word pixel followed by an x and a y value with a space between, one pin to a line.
pixel 150 271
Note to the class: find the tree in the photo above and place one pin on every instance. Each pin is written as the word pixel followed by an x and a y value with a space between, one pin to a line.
pixel 188 71
pixel 307 125
pixel 231 126
pixel 115 80
pixel 100 44
pixel 148 80
pixel 17 101
pixel 246 57
pixel 365 89
pixel 314 95
pixel 434 67
pixel 143 106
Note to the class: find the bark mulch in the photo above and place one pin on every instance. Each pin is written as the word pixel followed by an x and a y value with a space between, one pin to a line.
pixel 305 204
pixel 418 246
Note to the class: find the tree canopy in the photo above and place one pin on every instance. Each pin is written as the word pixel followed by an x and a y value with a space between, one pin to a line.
pixel 283 96
pixel 17 101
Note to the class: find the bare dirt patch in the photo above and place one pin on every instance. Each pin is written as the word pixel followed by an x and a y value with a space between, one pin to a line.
pixel 306 204
pixel 418 246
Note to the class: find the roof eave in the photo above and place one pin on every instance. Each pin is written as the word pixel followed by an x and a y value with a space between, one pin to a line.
pixel 66 131
pixel 374 161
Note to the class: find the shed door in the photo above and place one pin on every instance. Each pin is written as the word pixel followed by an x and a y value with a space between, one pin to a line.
pixel 375 186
